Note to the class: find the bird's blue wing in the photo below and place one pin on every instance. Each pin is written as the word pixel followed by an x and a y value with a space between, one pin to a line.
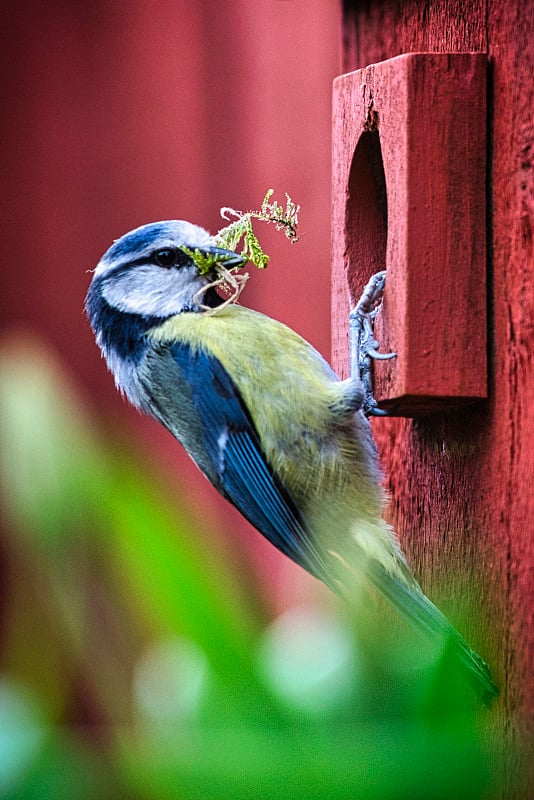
pixel 234 449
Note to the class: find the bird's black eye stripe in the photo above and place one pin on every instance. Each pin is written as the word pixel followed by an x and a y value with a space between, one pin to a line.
pixel 167 257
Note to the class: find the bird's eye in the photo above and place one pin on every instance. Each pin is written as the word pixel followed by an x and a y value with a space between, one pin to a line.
pixel 166 257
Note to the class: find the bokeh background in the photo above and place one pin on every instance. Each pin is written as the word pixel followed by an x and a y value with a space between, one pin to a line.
pixel 120 114
pixel 151 643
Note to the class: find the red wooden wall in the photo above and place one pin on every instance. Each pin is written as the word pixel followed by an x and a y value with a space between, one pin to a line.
pixel 461 481
pixel 115 114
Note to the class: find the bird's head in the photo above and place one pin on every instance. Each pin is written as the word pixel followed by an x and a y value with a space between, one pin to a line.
pixel 147 273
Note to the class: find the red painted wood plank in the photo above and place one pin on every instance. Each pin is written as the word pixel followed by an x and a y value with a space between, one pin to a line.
pixel 460 482
pixel 409 196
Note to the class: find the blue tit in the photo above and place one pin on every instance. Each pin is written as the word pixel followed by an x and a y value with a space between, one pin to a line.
pixel 261 413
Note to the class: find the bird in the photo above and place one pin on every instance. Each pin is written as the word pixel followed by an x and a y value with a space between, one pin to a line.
pixel 262 414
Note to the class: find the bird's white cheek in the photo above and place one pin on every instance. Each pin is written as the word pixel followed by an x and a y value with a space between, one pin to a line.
pixel 153 291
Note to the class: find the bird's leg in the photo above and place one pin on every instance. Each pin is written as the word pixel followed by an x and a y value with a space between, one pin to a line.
pixel 363 344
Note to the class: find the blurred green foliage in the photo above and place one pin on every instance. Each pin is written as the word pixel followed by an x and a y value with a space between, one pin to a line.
pixel 134 665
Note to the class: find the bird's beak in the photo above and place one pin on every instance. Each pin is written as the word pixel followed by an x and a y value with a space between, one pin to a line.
pixel 227 257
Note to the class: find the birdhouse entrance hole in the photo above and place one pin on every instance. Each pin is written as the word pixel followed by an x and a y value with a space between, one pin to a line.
pixel 366 214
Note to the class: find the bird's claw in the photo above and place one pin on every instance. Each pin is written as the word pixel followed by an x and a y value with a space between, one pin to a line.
pixel 364 345
pixel 372 294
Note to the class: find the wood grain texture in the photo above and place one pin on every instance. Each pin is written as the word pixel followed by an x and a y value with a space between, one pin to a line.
pixel 409 196
pixel 460 482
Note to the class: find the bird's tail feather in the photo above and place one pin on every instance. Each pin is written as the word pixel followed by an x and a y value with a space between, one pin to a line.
pixel 410 601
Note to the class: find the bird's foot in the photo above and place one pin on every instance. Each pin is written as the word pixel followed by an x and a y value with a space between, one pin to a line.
pixel 363 345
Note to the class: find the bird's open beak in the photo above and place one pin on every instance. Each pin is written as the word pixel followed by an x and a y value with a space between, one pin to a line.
pixel 227 257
